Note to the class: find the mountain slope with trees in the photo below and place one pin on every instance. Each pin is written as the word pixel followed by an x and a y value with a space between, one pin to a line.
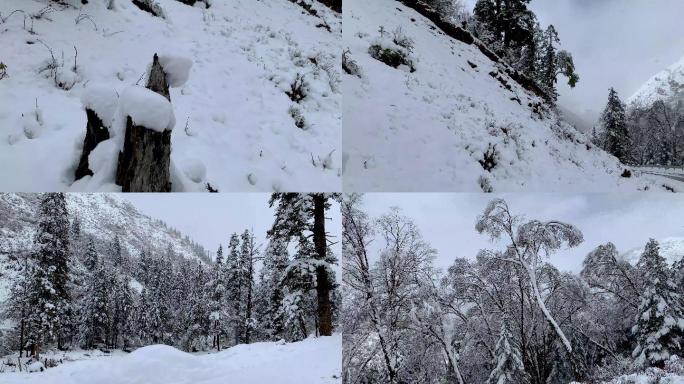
pixel 470 106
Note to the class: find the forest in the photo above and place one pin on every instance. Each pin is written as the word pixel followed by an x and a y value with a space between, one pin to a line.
pixel 505 315
pixel 70 292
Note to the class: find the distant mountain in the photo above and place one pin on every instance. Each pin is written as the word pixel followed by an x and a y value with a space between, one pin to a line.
pixel 102 216
pixel 671 248
pixel 667 85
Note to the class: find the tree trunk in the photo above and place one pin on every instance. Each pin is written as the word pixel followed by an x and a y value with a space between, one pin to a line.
pixel 324 285
pixel 146 156
pixel 96 132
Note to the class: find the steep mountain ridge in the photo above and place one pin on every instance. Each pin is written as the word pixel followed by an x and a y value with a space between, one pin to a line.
pixel 671 248
pixel 454 118
pixel 666 85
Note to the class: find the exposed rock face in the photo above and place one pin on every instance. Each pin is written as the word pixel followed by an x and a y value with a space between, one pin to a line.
pixel 96 132
pixel 146 156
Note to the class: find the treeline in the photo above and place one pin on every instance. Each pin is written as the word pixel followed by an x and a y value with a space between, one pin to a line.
pixel 512 31
pixel 68 292
pixel 651 134
pixel 507 316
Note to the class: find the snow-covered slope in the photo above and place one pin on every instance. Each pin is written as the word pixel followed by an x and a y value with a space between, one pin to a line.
pixel 234 128
pixel 429 130
pixel 102 216
pixel 312 361
pixel 668 85
pixel 671 248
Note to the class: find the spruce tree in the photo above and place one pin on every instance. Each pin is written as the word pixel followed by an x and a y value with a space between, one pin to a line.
pixel 217 296
pixel 272 275
pixel 248 255
pixel 613 119
pixel 95 315
pixel 49 295
pixel 301 217
pixel 508 366
pixel 659 328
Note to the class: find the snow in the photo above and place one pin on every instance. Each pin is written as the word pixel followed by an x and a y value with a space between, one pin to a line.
pixel 147 108
pixel 176 68
pixel 236 112
pixel 664 85
pixel 312 361
pixel 427 130
pixel 671 248
pixel 101 99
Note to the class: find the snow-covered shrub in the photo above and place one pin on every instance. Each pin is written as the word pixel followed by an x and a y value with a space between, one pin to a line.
pixel 349 65
pixel 3 70
pixel 399 38
pixel 393 52
pixel 297 116
pixel 150 6
pixel 490 158
pixel 298 88
pixel 32 122
pixel 485 184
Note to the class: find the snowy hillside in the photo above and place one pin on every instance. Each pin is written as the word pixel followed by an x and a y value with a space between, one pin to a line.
pixel 671 248
pixel 236 127
pixel 102 216
pixel 450 118
pixel 666 85
pixel 312 361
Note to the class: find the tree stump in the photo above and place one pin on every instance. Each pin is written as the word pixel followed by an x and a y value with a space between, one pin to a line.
pixel 96 132
pixel 144 161
pixel 146 156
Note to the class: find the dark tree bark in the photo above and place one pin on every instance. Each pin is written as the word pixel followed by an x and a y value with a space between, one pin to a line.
pixel 324 285
pixel 96 132
pixel 146 156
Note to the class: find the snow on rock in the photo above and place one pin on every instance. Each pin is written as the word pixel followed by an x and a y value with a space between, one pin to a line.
pixel 177 69
pixel 36 366
pixel 459 122
pixel 147 108
pixel 102 99
pixel 312 361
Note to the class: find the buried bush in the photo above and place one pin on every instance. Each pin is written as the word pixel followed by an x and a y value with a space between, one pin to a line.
pixel 490 158
pixel 626 173
pixel 349 65
pixel 298 117
pixel 3 70
pixel 392 57
pixel 298 89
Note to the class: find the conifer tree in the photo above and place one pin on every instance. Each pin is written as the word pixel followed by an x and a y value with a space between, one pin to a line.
pixel 271 278
pixel 616 141
pixel 95 315
pixel 248 255
pixel 49 295
pixel 508 366
pixel 217 297
pixel 659 328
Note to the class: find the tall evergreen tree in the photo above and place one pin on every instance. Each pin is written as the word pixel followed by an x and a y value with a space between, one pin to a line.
pixel 49 295
pixel 95 314
pixel 659 329
pixel 271 277
pixel 248 255
pixel 302 217
pixel 613 120
pixel 217 300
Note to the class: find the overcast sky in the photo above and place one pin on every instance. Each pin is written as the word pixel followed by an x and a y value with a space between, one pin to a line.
pixel 447 221
pixel 210 218
pixel 619 43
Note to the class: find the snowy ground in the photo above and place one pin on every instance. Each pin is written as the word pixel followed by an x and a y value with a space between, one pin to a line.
pixel 312 361
pixel 428 130
pixel 234 127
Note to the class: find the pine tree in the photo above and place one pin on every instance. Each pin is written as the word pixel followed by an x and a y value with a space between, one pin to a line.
pixel 49 295
pixel 90 257
pixel 217 297
pixel 235 290
pixel 613 120
pixel 95 315
pixel 248 255
pixel 302 217
pixel 272 275
pixel 122 311
pixel 659 328
pixel 508 366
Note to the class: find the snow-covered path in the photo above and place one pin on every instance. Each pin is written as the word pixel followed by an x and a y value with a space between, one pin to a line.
pixel 312 361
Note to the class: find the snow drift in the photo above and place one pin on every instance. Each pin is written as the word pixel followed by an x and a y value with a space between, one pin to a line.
pixel 312 361
pixel 442 115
